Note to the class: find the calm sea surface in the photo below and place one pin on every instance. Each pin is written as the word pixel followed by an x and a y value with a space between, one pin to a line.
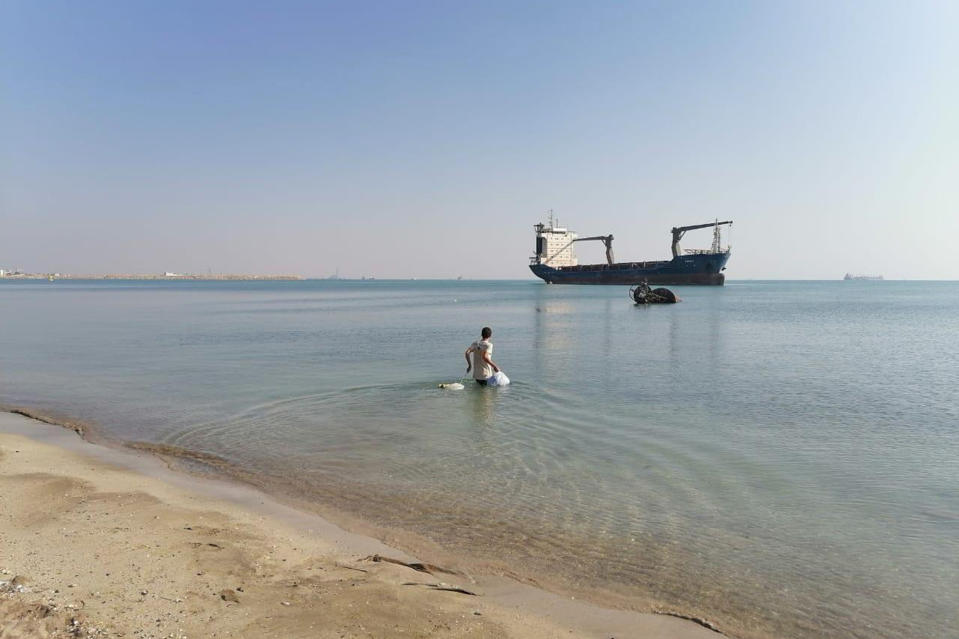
pixel 781 458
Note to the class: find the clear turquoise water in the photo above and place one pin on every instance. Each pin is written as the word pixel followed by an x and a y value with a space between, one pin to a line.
pixel 781 458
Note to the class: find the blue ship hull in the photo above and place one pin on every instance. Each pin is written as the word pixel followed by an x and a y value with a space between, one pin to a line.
pixel 697 268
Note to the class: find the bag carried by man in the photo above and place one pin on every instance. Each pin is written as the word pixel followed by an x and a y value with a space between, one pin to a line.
pixel 498 379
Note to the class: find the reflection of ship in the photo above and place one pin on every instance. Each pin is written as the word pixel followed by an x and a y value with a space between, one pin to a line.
pixel 850 276
pixel 556 263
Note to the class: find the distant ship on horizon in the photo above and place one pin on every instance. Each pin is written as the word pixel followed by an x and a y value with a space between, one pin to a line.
pixel 556 263
pixel 850 276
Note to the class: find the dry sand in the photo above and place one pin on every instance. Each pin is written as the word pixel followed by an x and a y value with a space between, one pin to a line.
pixel 100 542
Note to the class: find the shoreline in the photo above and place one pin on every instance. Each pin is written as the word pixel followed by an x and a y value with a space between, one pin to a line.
pixel 146 277
pixel 102 473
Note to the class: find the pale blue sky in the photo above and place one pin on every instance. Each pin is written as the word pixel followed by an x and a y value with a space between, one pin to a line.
pixel 425 139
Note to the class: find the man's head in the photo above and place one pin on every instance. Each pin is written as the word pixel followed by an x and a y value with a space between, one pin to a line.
pixel 487 332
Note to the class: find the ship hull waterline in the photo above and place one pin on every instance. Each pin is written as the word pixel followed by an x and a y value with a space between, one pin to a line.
pixel 699 269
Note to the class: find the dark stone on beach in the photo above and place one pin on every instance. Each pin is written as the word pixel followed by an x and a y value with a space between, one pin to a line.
pixel 229 595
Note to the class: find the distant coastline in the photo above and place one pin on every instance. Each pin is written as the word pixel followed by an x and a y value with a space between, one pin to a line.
pixel 141 276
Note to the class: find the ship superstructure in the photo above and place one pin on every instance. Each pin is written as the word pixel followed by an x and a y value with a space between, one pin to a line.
pixel 555 260
pixel 555 243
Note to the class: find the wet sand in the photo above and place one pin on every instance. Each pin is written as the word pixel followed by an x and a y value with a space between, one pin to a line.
pixel 97 541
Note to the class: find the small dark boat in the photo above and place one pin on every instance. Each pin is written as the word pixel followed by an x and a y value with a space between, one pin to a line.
pixel 642 294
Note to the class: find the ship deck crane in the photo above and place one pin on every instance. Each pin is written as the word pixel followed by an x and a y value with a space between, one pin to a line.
pixel 605 239
pixel 680 231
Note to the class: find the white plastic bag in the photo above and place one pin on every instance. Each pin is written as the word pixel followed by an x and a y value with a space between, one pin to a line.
pixel 498 379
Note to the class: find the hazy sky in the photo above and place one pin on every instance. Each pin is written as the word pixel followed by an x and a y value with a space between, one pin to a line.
pixel 423 139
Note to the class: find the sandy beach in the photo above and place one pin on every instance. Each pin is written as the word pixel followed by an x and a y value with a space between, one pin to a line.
pixel 97 541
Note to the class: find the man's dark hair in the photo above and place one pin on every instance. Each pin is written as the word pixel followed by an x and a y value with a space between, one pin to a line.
pixel 487 332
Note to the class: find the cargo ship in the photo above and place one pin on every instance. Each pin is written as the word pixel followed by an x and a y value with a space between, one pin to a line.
pixel 555 260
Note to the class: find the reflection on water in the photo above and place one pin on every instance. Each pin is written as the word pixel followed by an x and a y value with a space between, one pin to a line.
pixel 757 454
pixel 483 400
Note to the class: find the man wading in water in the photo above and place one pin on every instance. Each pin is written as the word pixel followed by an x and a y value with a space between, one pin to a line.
pixel 481 362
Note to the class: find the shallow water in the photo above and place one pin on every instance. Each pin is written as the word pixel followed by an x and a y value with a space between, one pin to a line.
pixel 778 457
